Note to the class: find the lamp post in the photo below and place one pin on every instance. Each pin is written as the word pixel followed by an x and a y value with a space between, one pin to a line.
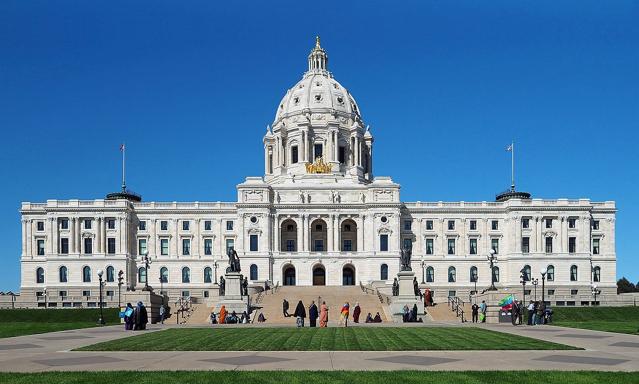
pixel 162 287
pixel 595 292
pixel 535 282
pixel 215 265
pixel 492 259
pixel 522 276
pixel 13 300
pixel 101 319
pixel 45 298
pixel 543 285
pixel 147 264
pixel 120 282
pixel 423 272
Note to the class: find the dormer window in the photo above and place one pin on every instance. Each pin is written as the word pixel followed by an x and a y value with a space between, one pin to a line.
pixel 296 100
pixel 340 99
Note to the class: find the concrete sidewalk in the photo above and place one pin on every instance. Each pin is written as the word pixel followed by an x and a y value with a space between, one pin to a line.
pixel 51 352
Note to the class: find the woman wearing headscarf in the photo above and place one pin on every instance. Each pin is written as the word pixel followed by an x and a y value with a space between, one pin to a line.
pixel 222 319
pixel 344 314
pixel 323 315
pixel 312 314
pixel 356 312
pixel 413 314
pixel 300 313
pixel 129 320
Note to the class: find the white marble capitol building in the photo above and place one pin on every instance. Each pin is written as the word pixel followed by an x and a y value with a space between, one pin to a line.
pixel 318 216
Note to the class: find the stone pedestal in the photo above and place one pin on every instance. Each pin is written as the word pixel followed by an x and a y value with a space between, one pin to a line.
pixel 406 297
pixel 150 299
pixel 233 299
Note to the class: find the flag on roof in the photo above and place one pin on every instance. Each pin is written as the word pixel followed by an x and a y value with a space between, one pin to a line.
pixel 122 147
pixel 509 148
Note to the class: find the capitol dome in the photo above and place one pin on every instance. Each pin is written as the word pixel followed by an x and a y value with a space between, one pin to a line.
pixel 317 92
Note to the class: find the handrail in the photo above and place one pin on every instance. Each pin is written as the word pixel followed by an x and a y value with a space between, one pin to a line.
pixel 455 303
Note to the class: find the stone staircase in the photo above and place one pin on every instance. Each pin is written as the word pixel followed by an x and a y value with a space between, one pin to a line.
pixel 270 304
pixel 199 314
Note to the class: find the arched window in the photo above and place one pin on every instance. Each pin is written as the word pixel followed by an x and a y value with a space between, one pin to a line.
pixel 40 275
pixel 550 273
pixel 86 274
pixel 452 274
pixel 63 274
pixel 110 274
pixel 253 272
pixel 473 274
pixel 208 275
pixel 142 275
pixel 573 273
pixel 186 275
pixel 526 272
pixel 596 275
pixel 430 274
pixel 383 272
pixel 164 274
pixel 496 274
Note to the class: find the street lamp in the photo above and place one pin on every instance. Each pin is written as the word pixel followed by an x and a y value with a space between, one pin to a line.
pixel 423 272
pixel 101 319
pixel 45 297
pixel 492 259
pixel 595 292
pixel 535 282
pixel 543 285
pixel 162 287
pixel 215 265
pixel 147 264
pixel 522 276
pixel 120 282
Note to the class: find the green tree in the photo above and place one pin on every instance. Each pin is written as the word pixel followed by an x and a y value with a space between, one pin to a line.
pixel 625 286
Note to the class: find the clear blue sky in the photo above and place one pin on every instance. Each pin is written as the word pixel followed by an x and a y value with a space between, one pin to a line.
pixel 444 86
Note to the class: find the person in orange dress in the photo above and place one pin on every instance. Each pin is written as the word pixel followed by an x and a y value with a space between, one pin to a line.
pixel 222 319
pixel 323 318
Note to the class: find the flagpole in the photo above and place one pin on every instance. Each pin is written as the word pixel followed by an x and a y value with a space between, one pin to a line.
pixel 512 161
pixel 123 168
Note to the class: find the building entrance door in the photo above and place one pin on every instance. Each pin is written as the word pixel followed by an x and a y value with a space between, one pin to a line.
pixel 319 276
pixel 289 276
pixel 348 276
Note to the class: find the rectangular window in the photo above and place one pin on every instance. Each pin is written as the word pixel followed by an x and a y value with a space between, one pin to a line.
pixel 525 223
pixel 595 224
pixel 87 224
pixel 342 154
pixel 548 223
pixel 574 292
pixel 40 244
pixel 551 292
pixel 253 243
pixel 186 294
pixel 595 246
pixel 142 225
pixel 383 243
pixel 164 247
pixel 473 246
pixel 525 244
pixel 494 225
pixel 64 245
pixel 348 246
pixel 142 249
pixel 318 150
pixel 572 222
pixel 186 225
pixel 208 247
pixel 473 225
pixel 319 245
pixel 290 245
pixel 429 225
pixel 62 294
pixel 408 224
pixel 408 244
pixel 451 225
pixel 110 223
pixel 572 244
pixel 164 225
pixel 294 154
pixel 64 223
pixel 186 247
pixel 429 246
pixel 88 245
pixel 40 226
pixel 110 293
pixel 230 244
pixel 229 225
pixel 548 244
pixel 207 225
pixel 86 293
pixel 494 244
pixel 451 246
pixel 111 245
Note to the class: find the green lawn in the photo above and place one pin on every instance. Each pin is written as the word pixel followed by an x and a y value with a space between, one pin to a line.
pixel 609 319
pixel 321 377
pixel 19 322
pixel 324 339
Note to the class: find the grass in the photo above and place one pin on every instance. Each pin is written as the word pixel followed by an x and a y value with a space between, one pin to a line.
pixel 19 322
pixel 325 339
pixel 322 377
pixel 609 319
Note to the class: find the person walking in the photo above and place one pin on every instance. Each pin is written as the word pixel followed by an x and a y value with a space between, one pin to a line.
pixel 531 310
pixel 213 318
pixel 223 313
pixel 129 319
pixel 162 314
pixel 323 319
pixel 482 309
pixel 312 314
pixel 356 312
pixel 475 312
pixel 141 317
pixel 534 315
pixel 300 314
pixel 343 319
pixel 285 308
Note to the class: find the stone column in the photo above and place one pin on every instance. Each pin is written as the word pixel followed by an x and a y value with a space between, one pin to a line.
pixel 360 234
pixel 463 240
pixel 299 243
pixel 337 232
pixel 538 235
pixel 30 237
pixel 276 228
pixel 197 245
pixel 24 237
pixel 266 159
pixel 305 222
pixel 336 146
pixel 56 235
pixel 330 231
pixel 98 235
pixel 517 230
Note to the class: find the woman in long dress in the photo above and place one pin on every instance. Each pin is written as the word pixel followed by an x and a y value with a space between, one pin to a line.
pixel 222 319
pixel 323 318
